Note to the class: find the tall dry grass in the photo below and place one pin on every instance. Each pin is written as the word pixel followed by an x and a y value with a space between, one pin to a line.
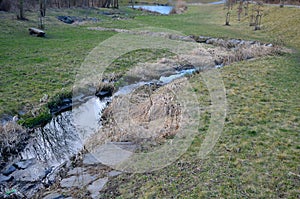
pixel 12 137
pixel 179 7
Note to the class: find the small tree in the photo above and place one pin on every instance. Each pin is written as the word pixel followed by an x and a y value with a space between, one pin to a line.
pixel 42 13
pixel 259 10
pixel 240 10
pixel 252 18
pixel 246 7
pixel 21 10
pixel 228 4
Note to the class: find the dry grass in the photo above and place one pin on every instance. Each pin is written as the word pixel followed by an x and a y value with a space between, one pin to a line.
pixel 153 114
pixel 11 140
pixel 283 25
pixel 179 8
pixel 256 155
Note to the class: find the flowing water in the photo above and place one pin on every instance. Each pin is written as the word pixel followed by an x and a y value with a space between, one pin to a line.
pixel 63 137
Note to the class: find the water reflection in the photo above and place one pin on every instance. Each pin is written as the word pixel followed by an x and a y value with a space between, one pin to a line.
pixel 64 136
pixel 160 9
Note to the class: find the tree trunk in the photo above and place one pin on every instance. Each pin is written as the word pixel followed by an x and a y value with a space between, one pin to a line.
pixel 240 10
pixel 132 4
pixel 246 8
pixel 21 9
pixel 227 19
pixel 42 13
pixel 257 22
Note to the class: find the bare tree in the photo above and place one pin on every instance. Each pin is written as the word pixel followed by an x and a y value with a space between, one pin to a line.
pixel 240 10
pixel 42 13
pixel 228 5
pixel 21 10
pixel 246 7
pixel 252 20
pixel 259 9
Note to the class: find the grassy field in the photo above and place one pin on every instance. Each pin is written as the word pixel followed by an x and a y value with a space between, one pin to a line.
pixel 257 155
pixel 32 67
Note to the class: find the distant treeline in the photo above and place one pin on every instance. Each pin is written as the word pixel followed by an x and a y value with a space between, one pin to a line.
pixel 9 5
pixel 293 2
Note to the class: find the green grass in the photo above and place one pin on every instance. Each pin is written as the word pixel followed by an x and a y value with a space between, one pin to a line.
pixel 31 66
pixel 257 153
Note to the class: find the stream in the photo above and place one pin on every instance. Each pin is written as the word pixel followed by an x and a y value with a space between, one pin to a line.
pixel 52 146
pixel 51 150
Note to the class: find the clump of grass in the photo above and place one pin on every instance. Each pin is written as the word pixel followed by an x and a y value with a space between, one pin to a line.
pixel 40 117
pixel 179 8
pixel 58 99
pixel 245 52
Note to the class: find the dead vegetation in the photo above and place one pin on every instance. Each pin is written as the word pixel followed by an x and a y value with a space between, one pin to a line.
pixel 149 113
pixel 179 8
pixel 11 140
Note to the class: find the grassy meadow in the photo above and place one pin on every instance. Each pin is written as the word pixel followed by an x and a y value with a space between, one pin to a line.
pixel 257 155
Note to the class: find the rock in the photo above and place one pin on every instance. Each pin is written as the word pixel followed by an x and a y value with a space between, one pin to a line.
pixel 111 154
pixel 77 181
pixel 97 186
pixel 50 175
pixel 102 94
pixel 186 38
pixel 53 196
pixel 113 173
pixel 33 173
pixel 4 178
pixel 212 41
pixel 269 45
pixel 24 164
pixel 11 193
pixel 9 170
pixel 76 171
pixel 66 19
pixel 202 39
pixel 233 42
pixel 29 188
pixel 15 118
pixel 128 146
pixel 218 62
pixel 106 13
pixel 243 42
pixel 89 159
